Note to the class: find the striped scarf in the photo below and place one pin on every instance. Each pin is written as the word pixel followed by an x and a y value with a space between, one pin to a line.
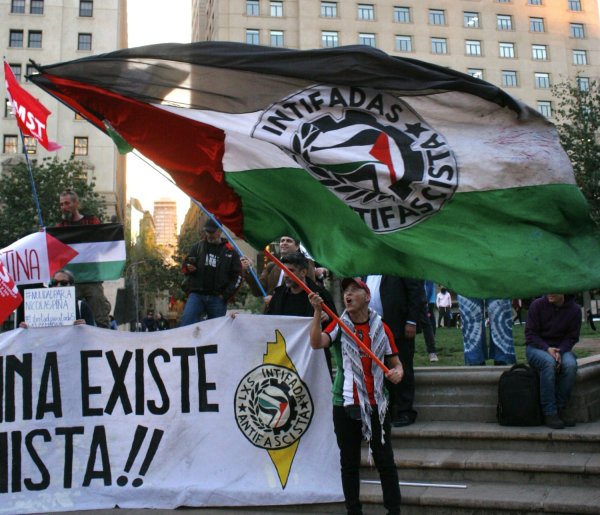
pixel 351 352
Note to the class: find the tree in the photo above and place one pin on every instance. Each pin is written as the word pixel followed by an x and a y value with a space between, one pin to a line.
pixel 18 214
pixel 578 124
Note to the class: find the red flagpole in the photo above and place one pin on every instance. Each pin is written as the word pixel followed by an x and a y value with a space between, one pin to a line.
pixel 333 316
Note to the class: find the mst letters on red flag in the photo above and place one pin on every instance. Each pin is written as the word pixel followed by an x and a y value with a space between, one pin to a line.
pixel 31 115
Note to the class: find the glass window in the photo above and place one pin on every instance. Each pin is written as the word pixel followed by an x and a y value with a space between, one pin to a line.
pixel 507 50
pixel 10 144
pixel 475 72
pixel 17 6
pixel 439 46
pixel 503 1
pixel 577 30
pixel 536 24
pixel 539 52
pixel 509 78
pixel 276 38
pixel 366 39
pixel 472 47
pixel 534 2
pixel 574 5
pixel 579 57
pixel 329 38
pixel 276 9
pixel 86 8
pixel 30 144
pixel 583 83
pixel 35 39
pixel 16 69
pixel 402 14
pixel 84 42
pixel 437 17
pixel 29 70
pixel 80 146
pixel 252 8
pixel 471 20
pixel 504 22
pixel 37 7
pixel 15 39
pixel 329 9
pixel 366 12
pixel 542 80
pixel 252 37
pixel 7 109
pixel 403 43
pixel 545 108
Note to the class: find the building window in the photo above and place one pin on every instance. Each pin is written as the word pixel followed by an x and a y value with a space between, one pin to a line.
pixel 10 144
pixel 471 20
pixel 403 43
pixel 252 37
pixel 539 52
pixel 30 145
pixel 472 47
pixel 439 46
pixel 534 2
pixel 29 70
pixel 437 17
pixel 35 39
pixel 504 22
pixel 17 6
pixel 15 39
pixel 329 9
pixel 583 83
pixel 84 42
pixel 366 39
pixel 276 9
pixel 542 80
pixel 16 69
pixel 475 72
pixel 507 50
pixel 545 108
pixel 252 8
pixel 402 14
pixel 577 31
pixel 536 24
pixel 509 78
pixel 37 7
pixel 7 109
pixel 86 8
pixel 574 5
pixel 329 39
pixel 366 12
pixel 80 146
pixel 503 1
pixel 276 38
pixel 579 57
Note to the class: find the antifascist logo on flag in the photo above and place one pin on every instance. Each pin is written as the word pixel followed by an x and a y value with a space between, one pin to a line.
pixel 368 148
pixel 31 115
pixel 10 298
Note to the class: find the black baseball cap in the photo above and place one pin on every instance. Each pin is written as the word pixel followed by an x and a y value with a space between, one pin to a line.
pixel 210 226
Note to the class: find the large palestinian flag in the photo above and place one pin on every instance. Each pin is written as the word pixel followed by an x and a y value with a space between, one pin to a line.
pixel 378 164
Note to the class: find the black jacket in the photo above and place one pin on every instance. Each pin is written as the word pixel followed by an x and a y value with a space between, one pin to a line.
pixel 402 299
pixel 277 304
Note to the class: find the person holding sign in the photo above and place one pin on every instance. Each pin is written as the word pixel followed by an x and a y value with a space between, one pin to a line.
pixel 83 313
pixel 360 404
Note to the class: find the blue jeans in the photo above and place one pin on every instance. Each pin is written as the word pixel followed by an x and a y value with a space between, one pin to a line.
pixel 197 305
pixel 555 384
pixel 501 344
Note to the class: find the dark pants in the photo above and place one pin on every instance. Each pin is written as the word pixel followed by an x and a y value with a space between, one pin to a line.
pixel 427 328
pixel 348 433
pixel 402 395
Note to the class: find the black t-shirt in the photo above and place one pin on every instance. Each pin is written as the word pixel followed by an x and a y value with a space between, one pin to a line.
pixel 295 304
pixel 209 268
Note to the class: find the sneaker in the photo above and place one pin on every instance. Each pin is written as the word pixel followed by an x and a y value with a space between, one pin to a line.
pixel 567 420
pixel 433 357
pixel 554 421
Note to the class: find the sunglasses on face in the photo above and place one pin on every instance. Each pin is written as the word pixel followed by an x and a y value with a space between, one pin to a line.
pixel 61 283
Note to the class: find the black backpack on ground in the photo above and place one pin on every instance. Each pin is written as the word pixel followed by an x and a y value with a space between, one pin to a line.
pixel 519 397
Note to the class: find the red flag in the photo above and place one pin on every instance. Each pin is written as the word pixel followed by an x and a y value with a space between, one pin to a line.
pixel 30 113
pixel 10 298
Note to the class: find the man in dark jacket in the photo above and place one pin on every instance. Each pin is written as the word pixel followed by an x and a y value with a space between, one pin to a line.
pixel 399 300
pixel 213 269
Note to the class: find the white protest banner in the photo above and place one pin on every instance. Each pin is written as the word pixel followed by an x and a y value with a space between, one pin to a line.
pixel 228 412
pixel 49 307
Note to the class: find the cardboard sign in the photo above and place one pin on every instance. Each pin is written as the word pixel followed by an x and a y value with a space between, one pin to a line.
pixel 50 307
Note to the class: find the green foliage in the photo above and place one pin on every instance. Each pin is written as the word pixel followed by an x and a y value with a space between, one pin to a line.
pixel 18 214
pixel 578 123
